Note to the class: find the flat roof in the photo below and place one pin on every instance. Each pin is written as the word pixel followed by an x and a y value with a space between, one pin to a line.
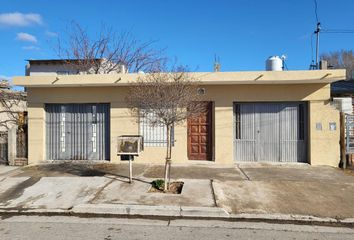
pixel 57 60
pixel 205 78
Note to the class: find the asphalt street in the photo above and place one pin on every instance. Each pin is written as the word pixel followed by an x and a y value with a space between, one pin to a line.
pixel 35 227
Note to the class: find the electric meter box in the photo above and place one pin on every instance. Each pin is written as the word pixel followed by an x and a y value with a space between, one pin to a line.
pixel 130 145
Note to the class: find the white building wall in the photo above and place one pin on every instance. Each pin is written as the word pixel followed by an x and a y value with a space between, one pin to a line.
pixel 50 70
pixel 55 69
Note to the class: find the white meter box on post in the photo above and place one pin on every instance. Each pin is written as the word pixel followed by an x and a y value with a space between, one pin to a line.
pixel 129 146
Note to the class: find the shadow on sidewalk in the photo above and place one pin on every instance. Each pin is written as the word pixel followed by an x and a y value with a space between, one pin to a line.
pixel 117 172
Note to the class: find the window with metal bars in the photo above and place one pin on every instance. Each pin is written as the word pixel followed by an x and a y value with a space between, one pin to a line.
pixel 155 135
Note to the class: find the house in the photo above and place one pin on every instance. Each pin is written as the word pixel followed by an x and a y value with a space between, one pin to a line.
pixel 55 67
pixel 342 92
pixel 11 104
pixel 260 116
pixel 12 114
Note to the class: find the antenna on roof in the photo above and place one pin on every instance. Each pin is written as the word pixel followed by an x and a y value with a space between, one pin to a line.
pixel 217 65
pixel 283 57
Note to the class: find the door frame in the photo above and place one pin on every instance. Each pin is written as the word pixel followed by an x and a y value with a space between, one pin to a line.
pixel 210 155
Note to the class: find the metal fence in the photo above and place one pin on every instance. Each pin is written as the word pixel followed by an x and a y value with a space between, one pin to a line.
pixel 3 148
pixel 21 143
pixel 349 133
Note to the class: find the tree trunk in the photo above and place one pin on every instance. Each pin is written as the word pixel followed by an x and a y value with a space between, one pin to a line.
pixel 168 160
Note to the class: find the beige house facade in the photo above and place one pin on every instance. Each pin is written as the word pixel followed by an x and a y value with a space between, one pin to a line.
pixel 261 116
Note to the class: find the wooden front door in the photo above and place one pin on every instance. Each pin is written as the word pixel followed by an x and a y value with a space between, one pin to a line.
pixel 200 135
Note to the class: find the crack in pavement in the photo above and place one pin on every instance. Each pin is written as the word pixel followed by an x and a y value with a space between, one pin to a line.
pixel 213 192
pixel 243 172
pixel 98 193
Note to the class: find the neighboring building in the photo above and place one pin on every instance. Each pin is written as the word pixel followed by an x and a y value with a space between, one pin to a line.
pixel 55 67
pixel 344 88
pixel 13 109
pixel 11 104
pixel 261 116
pixel 343 93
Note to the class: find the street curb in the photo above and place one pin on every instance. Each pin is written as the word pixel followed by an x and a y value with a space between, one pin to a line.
pixel 300 219
pixel 146 210
pixel 176 212
pixel 127 210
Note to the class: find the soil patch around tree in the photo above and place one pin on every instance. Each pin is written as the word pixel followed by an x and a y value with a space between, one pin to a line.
pixel 175 188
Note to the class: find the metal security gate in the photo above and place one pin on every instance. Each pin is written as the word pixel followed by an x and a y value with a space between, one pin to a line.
pixel 3 148
pixel 77 131
pixel 270 132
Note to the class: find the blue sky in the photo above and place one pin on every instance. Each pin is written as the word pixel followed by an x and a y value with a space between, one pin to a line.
pixel 243 33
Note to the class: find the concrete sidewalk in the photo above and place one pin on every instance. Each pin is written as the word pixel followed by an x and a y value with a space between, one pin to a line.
pixel 248 191
pixel 315 191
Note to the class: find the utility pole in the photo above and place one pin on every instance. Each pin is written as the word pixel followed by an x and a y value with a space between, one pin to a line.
pixel 317 32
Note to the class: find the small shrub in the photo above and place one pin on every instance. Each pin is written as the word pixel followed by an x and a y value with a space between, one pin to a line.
pixel 158 184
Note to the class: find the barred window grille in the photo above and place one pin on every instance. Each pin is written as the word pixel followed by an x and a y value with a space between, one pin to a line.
pixel 3 148
pixel 155 135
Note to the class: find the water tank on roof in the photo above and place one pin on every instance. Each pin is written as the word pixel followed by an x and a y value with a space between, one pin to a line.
pixel 274 63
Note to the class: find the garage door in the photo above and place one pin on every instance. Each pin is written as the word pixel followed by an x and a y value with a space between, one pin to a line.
pixel 270 132
pixel 77 131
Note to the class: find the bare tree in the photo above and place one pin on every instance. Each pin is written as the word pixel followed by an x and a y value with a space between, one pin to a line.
pixel 341 59
pixel 168 99
pixel 12 105
pixel 107 52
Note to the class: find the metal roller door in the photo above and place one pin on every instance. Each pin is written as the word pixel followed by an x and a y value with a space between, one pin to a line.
pixel 77 131
pixel 270 132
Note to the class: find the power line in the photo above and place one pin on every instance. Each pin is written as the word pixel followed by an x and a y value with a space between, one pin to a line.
pixel 315 64
pixel 338 30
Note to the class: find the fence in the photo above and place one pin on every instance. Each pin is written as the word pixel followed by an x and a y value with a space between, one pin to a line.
pixel 14 147
pixel 3 148
pixel 349 132
pixel 21 143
